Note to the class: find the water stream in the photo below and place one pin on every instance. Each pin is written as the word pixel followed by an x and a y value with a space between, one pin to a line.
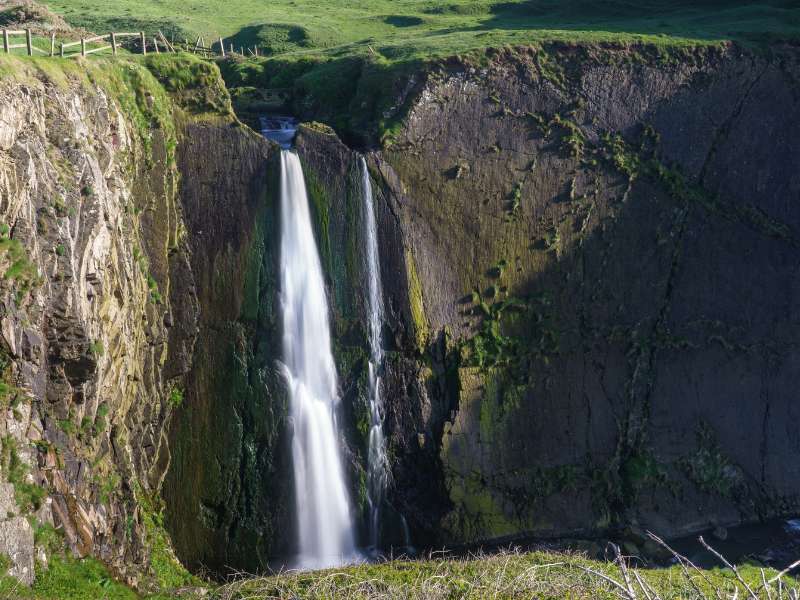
pixel 377 464
pixel 324 520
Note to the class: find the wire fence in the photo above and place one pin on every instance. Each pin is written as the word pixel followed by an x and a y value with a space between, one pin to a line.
pixel 136 42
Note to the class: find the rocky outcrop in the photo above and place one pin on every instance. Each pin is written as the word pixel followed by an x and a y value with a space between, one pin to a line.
pixel 97 312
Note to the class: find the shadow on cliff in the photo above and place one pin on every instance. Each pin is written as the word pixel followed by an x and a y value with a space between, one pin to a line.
pixel 629 418
pixel 706 19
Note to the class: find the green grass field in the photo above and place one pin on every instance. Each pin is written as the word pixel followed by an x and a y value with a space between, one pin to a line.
pixel 404 29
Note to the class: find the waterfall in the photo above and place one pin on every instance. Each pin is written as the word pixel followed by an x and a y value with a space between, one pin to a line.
pixel 323 507
pixel 377 464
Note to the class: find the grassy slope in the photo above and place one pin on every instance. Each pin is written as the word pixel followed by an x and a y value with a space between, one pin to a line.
pixel 345 60
pixel 422 28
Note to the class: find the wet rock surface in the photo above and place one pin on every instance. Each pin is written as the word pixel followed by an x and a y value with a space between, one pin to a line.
pixel 228 491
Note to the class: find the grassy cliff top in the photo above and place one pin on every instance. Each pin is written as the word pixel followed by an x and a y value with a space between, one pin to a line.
pixel 406 29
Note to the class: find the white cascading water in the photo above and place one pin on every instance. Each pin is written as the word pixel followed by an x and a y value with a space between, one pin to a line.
pixel 377 463
pixel 324 518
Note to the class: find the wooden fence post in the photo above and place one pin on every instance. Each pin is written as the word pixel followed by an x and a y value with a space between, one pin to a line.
pixel 5 41
pixel 62 49
pixel 144 42
pixel 83 47
pixel 114 43
pixel 155 45
pixel 29 41
pixel 52 44
pixel 222 47
pixel 232 48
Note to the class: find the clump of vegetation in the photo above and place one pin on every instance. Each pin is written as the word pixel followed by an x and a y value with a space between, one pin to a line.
pixel 100 419
pixel 500 343
pixel 709 468
pixel 514 202
pixel 20 269
pixel 573 139
pixel 490 347
pixel 96 348
pixel 68 425
pixel 155 295
pixel 28 495
pixel 175 397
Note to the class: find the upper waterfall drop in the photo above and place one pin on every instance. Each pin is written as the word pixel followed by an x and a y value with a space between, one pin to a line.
pixel 324 518
pixel 377 462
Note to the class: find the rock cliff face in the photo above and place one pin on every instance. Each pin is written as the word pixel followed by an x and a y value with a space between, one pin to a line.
pixel 99 298
pixel 97 314
pixel 600 250
pixel 590 262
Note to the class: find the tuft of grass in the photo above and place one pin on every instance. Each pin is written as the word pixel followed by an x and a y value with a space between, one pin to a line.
pixel 20 269
pixel 101 419
pixel 176 397
pixel 96 348
pixel 28 495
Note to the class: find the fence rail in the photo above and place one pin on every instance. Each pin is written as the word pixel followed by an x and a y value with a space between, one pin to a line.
pixel 114 40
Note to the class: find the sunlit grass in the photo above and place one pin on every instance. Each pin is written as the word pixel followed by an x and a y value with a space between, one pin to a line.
pixel 543 575
pixel 421 28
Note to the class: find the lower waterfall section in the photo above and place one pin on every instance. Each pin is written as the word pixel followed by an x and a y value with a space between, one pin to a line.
pixel 324 520
pixel 377 463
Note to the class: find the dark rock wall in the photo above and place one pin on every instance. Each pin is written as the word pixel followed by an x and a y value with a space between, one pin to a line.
pixel 228 493
pixel 589 258
pixel 606 248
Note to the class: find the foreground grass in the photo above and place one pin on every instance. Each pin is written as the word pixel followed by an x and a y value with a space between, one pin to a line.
pixel 67 579
pixel 510 575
